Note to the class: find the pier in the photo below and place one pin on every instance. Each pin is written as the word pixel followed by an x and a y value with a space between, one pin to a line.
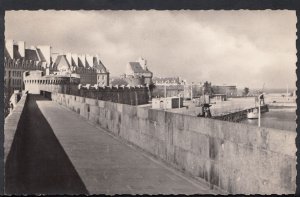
pixel 240 115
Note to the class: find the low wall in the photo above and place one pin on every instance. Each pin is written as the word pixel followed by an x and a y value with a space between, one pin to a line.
pixel 12 122
pixel 236 158
pixel 12 140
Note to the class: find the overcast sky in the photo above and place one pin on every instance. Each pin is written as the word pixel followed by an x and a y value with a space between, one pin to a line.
pixel 243 48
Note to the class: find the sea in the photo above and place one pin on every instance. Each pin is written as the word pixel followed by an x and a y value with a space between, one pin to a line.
pixel 283 118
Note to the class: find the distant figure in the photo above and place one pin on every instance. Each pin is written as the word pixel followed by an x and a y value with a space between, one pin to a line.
pixel 205 111
pixel 261 99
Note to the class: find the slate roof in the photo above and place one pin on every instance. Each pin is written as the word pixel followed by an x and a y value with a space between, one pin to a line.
pixel 31 54
pixel 41 55
pixel 59 58
pixel 6 54
pixel 80 63
pixel 17 55
pixel 137 68
pixel 99 66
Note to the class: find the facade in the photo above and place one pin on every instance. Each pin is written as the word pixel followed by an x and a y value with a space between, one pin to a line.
pixel 18 58
pixel 90 68
pixel 168 81
pixel 167 103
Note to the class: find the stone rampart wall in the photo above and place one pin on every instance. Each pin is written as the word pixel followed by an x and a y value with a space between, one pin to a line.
pixel 137 95
pixel 236 158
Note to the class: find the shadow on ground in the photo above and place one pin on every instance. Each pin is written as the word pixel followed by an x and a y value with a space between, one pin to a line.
pixel 37 163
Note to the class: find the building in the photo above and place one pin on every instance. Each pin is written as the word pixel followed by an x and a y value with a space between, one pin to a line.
pixel 137 73
pixel 167 103
pixel 90 68
pixel 168 81
pixel 18 58
pixel 36 81
pixel 228 90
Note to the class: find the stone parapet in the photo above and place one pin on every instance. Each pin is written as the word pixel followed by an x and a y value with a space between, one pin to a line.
pixel 12 122
pixel 236 158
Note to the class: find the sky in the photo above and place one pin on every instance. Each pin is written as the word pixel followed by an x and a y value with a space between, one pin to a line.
pixel 243 48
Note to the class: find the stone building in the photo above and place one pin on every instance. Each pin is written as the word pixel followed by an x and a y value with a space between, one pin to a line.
pixel 228 90
pixel 18 58
pixel 137 73
pixel 90 68
pixel 168 81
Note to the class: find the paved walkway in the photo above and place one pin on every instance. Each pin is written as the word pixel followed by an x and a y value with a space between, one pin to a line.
pixel 105 164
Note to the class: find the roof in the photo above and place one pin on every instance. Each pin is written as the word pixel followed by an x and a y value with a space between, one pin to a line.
pixel 41 55
pixel 99 66
pixel 137 68
pixel 59 59
pixel 31 54
pixel 17 55
pixel 80 63
pixel 166 79
pixel 6 54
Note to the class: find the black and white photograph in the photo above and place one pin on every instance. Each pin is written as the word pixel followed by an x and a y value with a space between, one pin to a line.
pixel 150 102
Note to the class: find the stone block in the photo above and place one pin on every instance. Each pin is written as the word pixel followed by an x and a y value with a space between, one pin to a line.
pixel 152 114
pixel 142 112
pixel 281 141
pixel 80 99
pixel 160 132
pixel 129 110
pixel 180 157
pixel 135 123
pixel 161 115
pixel 200 144
pixel 92 102
pixel 215 148
pixel 119 107
pixel 143 125
pixel 101 103
pixel 182 139
pixel 178 121
pixel 94 110
pixel 162 150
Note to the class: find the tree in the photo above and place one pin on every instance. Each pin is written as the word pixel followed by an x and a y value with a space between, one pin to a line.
pixel 207 88
pixel 246 91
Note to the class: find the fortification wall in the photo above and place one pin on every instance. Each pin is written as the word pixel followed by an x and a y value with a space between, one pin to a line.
pixel 137 95
pixel 237 158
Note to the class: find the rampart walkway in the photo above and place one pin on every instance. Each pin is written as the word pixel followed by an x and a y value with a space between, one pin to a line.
pixel 62 153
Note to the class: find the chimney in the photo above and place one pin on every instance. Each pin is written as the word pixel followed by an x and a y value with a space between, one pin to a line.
pixel 21 48
pixel 47 71
pixel 89 60
pixel 82 59
pixel 69 58
pixel 46 51
pixel 75 59
pixel 143 63
pixel 9 44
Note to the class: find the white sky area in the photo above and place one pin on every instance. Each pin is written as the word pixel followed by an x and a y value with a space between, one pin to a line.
pixel 243 48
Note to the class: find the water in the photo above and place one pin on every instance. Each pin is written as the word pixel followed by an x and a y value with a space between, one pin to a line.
pixel 280 118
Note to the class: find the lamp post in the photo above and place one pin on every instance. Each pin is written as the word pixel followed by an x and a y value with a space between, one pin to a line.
pixel 259 99
pixel 179 100
pixel 192 90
